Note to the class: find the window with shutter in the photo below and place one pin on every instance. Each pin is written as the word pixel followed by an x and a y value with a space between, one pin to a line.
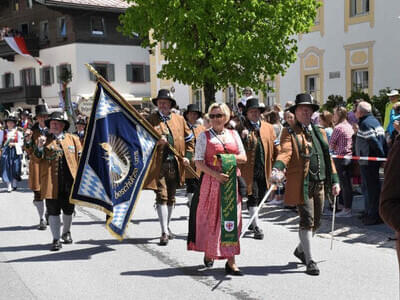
pixel 136 73
pixel 111 72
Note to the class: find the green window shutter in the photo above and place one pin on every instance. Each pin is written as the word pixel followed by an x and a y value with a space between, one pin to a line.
pixel 146 73
pixel 3 81
pixel 111 72
pixel 12 80
pixel 22 77
pixel 129 75
pixel 33 76
pixel 41 71
pixel 58 69
pixel 51 75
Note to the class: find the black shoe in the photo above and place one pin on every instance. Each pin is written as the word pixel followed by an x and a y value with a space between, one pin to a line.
pixel 312 268
pixel 300 255
pixel 230 271
pixel 171 236
pixel 67 238
pixel 251 228
pixel 56 245
pixel 164 240
pixel 14 188
pixel 42 225
pixel 258 233
pixel 208 263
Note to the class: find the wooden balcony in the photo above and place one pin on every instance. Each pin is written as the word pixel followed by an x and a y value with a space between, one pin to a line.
pixel 28 94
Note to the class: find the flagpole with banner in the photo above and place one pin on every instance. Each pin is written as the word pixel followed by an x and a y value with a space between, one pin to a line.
pixel 145 123
pixel 118 150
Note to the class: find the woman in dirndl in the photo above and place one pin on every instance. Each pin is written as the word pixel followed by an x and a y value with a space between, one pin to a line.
pixel 211 230
pixel 11 140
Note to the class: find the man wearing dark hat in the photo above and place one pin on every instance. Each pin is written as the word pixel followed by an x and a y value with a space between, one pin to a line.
pixel 310 171
pixel 32 135
pixel 167 171
pixel 192 115
pixel 80 129
pixel 59 153
pixel 258 139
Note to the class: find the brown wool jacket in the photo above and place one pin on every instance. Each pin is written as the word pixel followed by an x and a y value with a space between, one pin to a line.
pixel 180 131
pixel 72 148
pixel 271 150
pixel 296 166
pixel 389 205
pixel 34 177
pixel 199 129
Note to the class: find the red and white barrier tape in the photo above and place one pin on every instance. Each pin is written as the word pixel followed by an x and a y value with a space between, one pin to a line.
pixel 358 157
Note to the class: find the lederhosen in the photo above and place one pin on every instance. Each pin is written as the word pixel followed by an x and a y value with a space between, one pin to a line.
pixel 168 179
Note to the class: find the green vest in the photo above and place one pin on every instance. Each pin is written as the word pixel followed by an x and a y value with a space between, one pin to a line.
pixel 317 170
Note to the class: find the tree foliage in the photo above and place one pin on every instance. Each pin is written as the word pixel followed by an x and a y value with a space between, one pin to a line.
pixel 217 43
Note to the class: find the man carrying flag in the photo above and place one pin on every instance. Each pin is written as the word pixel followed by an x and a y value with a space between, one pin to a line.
pixel 167 171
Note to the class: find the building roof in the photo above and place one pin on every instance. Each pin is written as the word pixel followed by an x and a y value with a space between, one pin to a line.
pixel 108 5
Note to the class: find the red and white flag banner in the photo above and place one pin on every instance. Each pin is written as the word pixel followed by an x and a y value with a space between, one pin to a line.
pixel 18 45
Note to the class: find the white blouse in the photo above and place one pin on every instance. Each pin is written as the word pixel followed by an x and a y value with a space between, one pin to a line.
pixel 227 137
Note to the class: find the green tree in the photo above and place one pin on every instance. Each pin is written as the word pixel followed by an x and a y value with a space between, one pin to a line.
pixel 217 43
pixel 333 101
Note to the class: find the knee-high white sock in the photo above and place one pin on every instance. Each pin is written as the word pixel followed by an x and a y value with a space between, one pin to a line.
pixel 170 210
pixel 305 239
pixel 162 212
pixel 252 211
pixel 40 208
pixel 55 226
pixel 67 222
pixel 9 186
pixel 14 183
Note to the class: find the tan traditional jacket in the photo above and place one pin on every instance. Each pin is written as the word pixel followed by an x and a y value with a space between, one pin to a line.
pixel 71 146
pixel 180 131
pixel 271 150
pixel 34 177
pixel 196 131
pixel 289 158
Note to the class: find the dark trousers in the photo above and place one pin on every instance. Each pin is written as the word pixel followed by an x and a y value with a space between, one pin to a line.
pixel 167 183
pixel 343 168
pixel 258 191
pixel 371 189
pixel 54 206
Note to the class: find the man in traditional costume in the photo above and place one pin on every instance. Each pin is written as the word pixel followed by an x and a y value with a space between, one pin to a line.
pixel 310 172
pixel 59 153
pixel 192 115
pixel 258 139
pixel 39 129
pixel 167 171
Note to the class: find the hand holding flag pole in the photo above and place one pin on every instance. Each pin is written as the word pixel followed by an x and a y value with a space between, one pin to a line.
pixel 145 123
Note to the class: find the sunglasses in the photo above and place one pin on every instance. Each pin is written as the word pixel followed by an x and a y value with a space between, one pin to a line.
pixel 218 116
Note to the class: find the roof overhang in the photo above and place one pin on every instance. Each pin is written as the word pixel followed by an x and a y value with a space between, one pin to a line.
pixel 61 4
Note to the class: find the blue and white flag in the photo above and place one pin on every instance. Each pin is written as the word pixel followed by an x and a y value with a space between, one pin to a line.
pixel 117 153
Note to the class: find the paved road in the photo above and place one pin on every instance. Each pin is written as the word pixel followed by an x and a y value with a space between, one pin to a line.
pixel 362 264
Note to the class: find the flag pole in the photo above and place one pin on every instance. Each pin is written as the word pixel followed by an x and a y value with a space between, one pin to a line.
pixel 244 229
pixel 133 110
pixel 333 220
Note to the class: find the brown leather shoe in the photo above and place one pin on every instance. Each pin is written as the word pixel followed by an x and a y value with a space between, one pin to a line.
pixel 164 239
